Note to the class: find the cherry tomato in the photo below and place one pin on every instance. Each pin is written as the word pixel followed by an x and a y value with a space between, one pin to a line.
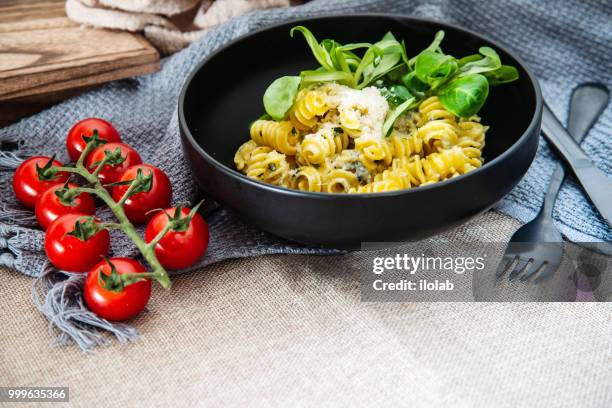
pixel 178 250
pixel 116 305
pixel 49 207
pixel 68 252
pixel 26 183
pixel 110 174
pixel 75 143
pixel 137 207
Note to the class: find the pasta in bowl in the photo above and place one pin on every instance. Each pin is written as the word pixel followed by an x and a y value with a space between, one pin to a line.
pixel 428 146
pixel 360 129
pixel 339 158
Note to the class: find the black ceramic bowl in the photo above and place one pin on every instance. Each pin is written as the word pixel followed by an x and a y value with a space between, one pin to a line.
pixel 224 95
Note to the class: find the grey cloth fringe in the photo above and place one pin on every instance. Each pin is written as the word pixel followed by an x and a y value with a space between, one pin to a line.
pixel 565 43
pixel 59 296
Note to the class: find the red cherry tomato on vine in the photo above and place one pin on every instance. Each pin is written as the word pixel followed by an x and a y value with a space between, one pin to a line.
pixel 178 250
pixel 110 174
pixel 137 207
pixel 113 305
pixel 70 253
pixel 27 184
pixel 49 207
pixel 75 143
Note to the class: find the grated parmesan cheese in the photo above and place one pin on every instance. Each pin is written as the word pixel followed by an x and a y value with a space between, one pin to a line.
pixel 363 110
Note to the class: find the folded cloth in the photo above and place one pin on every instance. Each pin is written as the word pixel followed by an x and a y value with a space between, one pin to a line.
pixel 565 45
pixel 170 25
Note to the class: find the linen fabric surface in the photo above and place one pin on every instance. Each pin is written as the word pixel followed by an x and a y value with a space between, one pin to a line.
pixel 293 331
pixel 565 44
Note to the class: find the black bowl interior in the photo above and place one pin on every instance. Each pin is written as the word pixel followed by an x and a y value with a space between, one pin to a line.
pixel 225 94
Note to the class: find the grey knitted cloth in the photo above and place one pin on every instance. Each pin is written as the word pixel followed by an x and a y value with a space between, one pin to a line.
pixel 565 42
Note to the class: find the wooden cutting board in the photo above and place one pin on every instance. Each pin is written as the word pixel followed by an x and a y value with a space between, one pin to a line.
pixel 45 57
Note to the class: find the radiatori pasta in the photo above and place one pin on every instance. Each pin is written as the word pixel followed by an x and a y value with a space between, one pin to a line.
pixel 332 141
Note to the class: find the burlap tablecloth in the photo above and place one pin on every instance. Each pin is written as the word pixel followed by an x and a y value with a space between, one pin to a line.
pixel 292 331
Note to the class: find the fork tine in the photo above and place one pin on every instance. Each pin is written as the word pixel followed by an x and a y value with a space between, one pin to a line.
pixel 520 268
pixel 533 270
pixel 547 273
pixel 507 261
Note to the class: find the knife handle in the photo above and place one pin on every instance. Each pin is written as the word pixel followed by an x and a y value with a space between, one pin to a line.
pixel 594 181
pixel 587 102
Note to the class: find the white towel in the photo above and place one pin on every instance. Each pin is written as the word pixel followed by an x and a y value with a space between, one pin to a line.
pixel 169 25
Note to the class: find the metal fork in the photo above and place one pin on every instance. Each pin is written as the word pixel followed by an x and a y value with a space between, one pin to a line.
pixel 537 247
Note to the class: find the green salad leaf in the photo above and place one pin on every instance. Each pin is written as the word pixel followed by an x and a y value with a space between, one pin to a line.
pixel 469 58
pixel 380 59
pixel 502 75
pixel 465 95
pixel 489 61
pixel 433 68
pixel 433 47
pixel 319 52
pixel 462 84
pixel 405 54
pixel 279 96
pixel 414 84
pixel 396 113
pixel 395 94
pixel 312 77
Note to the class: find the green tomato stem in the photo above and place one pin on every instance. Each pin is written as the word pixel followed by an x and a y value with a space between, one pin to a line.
pixel 111 225
pixel 86 151
pixel 98 169
pixel 74 170
pixel 160 235
pixel 135 277
pixel 128 193
pixel 158 272
pixel 85 190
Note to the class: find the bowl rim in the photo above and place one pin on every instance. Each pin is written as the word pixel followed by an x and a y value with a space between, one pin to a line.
pixel 324 195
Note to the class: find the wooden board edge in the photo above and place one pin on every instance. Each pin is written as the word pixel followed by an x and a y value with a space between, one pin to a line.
pixel 141 55
pixel 101 78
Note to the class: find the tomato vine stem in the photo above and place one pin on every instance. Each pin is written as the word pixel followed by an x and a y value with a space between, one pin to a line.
pixel 158 272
